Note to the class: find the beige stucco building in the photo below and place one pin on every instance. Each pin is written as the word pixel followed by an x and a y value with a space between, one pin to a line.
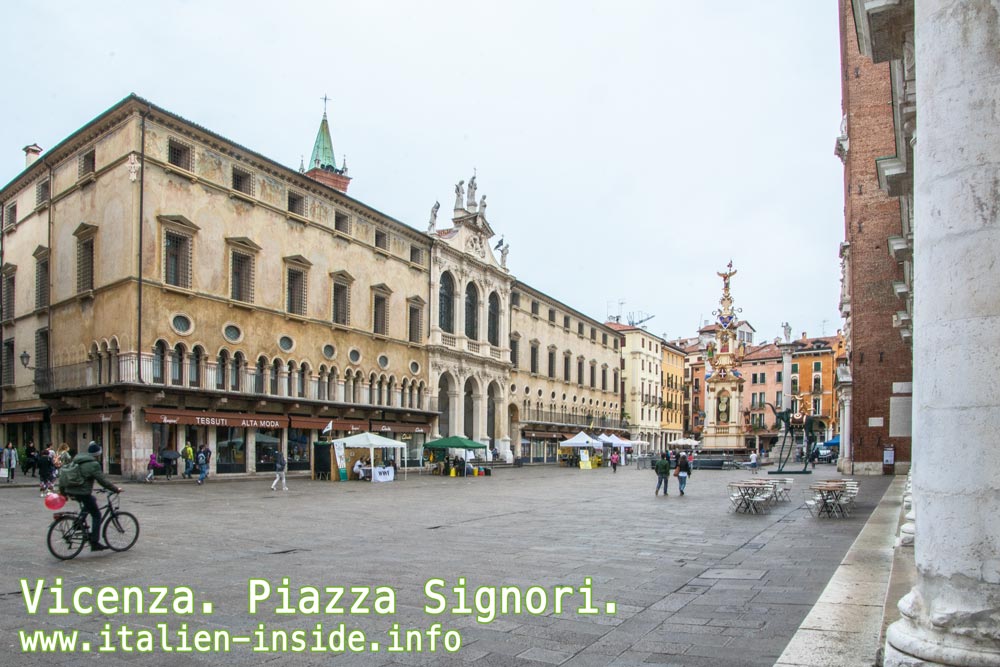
pixel 672 391
pixel 643 378
pixel 565 376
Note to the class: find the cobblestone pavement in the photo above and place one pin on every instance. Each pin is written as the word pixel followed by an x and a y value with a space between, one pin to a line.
pixel 693 584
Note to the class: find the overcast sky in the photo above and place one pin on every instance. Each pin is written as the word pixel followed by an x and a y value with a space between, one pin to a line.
pixel 628 150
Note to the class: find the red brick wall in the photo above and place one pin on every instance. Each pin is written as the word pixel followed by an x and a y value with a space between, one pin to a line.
pixel 879 355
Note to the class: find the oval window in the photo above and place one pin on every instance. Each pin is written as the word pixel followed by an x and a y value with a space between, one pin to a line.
pixel 329 351
pixel 354 356
pixel 181 324
pixel 232 333
pixel 286 343
pixel 383 361
pixel 414 367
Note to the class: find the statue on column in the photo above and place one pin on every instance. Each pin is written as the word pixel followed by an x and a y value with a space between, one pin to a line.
pixel 503 255
pixel 434 216
pixel 726 276
pixel 787 328
pixel 482 206
pixel 459 192
pixel 471 203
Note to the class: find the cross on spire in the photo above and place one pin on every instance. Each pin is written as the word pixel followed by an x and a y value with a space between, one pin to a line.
pixel 325 100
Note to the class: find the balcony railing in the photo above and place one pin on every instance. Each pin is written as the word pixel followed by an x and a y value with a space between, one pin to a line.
pixel 559 418
pixel 124 370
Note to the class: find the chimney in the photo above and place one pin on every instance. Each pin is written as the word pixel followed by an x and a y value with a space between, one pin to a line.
pixel 804 335
pixel 31 154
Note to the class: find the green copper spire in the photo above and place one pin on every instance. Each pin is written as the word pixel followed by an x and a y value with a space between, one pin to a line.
pixel 322 155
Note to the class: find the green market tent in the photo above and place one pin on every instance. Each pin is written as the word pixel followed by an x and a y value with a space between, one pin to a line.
pixel 454 442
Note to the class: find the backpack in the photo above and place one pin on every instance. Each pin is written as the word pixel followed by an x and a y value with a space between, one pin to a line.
pixel 70 476
pixel 202 459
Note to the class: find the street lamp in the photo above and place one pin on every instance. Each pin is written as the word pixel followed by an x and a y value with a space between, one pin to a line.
pixel 26 359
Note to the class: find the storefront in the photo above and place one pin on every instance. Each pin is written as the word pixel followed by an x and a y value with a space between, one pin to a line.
pixel 23 428
pixel 78 428
pixel 541 446
pixel 241 443
pixel 412 435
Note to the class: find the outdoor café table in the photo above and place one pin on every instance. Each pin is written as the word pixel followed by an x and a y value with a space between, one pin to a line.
pixel 747 490
pixel 829 495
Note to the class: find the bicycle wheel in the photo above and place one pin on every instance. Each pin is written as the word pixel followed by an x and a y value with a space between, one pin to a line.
pixel 66 539
pixel 121 530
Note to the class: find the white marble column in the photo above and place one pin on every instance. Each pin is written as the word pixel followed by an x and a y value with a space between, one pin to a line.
pixel 952 614
pixel 846 457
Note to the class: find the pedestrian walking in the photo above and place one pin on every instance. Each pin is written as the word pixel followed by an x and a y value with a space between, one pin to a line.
pixel 682 471
pixel 188 455
pixel 30 460
pixel 753 462
pixel 204 455
pixel 46 470
pixel 279 471
pixel 662 468
pixel 614 461
pixel 9 461
pixel 152 467
pixel 62 455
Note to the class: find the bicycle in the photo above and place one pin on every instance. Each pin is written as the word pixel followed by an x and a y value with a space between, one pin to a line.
pixel 70 531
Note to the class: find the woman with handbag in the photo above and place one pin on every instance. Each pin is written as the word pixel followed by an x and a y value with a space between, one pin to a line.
pixel 682 471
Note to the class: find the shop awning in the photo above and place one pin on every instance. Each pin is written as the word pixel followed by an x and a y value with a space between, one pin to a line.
pixel 89 416
pixel 21 417
pixel 320 423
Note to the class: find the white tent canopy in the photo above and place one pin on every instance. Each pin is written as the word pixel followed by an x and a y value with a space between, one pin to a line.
pixel 685 442
pixel 581 439
pixel 606 439
pixel 618 442
pixel 371 442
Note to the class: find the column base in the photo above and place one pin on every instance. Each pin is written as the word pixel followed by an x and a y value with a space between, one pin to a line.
pixel 909 645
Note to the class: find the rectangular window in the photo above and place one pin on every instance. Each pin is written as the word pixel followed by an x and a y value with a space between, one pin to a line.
pixel 88 163
pixel 8 362
pixel 534 308
pixel 593 377
pixel 177 260
pixel 817 406
pixel 534 359
pixel 242 181
pixel 416 255
pixel 567 368
pixel 380 315
pixel 7 309
pixel 10 216
pixel 513 352
pixel 381 239
pixel 817 366
pixel 296 203
pixel 604 379
pixel 342 223
pixel 42 283
pixel 42 350
pixel 416 324
pixel 777 376
pixel 604 339
pixel 593 333
pixel 552 363
pixel 180 155
pixel 795 368
pixel 295 297
pixel 515 298
pixel 579 328
pixel 242 277
pixel 579 372
pixel 566 322
pixel 85 265
pixel 42 192
pixel 552 315
pixel 341 304
pixel 778 400
pixel 616 344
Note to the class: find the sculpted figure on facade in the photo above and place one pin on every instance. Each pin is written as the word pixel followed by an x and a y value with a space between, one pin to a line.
pixel 471 202
pixel 459 192
pixel 503 255
pixel 434 214
pixel 482 206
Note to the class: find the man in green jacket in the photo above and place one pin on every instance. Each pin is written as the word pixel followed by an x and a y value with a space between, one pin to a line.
pixel 79 486
pixel 662 468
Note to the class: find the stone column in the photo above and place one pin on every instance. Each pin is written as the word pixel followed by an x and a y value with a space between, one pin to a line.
pixel 846 450
pixel 952 613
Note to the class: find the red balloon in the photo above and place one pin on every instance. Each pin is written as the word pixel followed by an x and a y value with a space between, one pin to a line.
pixel 55 501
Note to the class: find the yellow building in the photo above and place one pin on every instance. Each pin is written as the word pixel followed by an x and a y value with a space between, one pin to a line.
pixel 672 421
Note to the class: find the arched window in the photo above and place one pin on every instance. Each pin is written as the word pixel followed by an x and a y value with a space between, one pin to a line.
pixel 236 374
pixel 446 303
pixel 303 376
pixel 275 372
pixel 290 380
pixel 177 365
pixel 194 367
pixel 472 312
pixel 159 361
pixel 493 323
pixel 221 365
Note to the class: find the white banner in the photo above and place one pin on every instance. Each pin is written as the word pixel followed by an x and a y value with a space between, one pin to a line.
pixel 383 474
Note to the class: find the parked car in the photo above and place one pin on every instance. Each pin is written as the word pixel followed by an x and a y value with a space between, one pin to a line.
pixel 826 454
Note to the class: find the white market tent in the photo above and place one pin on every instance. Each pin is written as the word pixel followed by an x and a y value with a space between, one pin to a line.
pixel 371 442
pixel 581 439
pixel 606 439
pixel 685 442
pixel 615 441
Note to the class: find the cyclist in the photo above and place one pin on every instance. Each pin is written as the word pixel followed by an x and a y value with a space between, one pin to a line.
pixel 81 489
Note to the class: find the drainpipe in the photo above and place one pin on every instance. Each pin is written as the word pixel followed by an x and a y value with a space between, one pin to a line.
pixel 142 190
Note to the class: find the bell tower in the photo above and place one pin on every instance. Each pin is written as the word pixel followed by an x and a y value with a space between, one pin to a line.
pixel 322 165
